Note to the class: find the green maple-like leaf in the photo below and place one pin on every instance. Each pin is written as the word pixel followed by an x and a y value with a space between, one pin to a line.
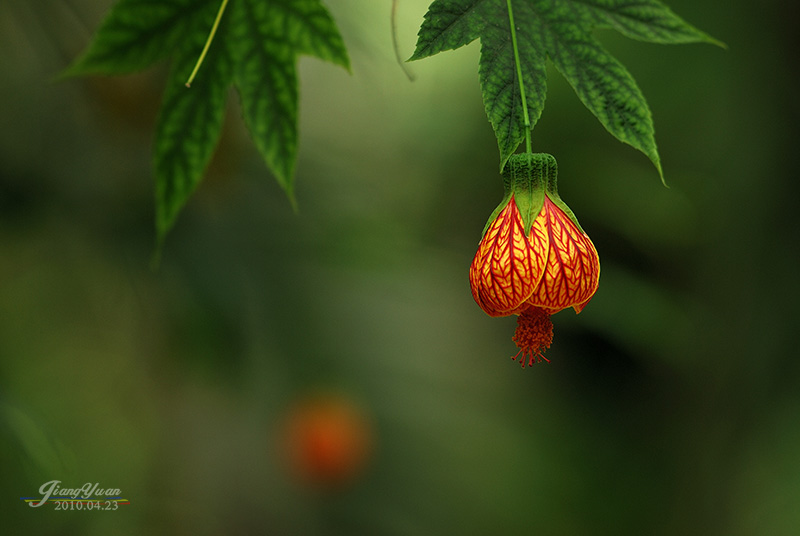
pixel 255 49
pixel 560 30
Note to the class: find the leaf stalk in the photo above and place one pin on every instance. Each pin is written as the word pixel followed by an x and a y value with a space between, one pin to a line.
pixel 208 43
pixel 526 118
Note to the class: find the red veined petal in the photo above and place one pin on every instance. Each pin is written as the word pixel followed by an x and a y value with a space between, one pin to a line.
pixel 579 307
pixel 572 271
pixel 507 268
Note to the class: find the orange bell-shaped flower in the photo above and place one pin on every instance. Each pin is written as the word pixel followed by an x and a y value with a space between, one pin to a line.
pixel 534 258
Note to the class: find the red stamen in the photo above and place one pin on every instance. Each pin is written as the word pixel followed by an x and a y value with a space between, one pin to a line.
pixel 533 336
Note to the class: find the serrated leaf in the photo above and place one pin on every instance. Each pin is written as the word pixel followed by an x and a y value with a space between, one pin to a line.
pixel 305 25
pixel 450 24
pixel 645 20
pixel 267 83
pixel 267 36
pixel 255 48
pixel 136 34
pixel 562 31
pixel 603 85
pixel 189 123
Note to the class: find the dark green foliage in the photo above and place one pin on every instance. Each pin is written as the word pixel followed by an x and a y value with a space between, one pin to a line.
pixel 562 31
pixel 255 49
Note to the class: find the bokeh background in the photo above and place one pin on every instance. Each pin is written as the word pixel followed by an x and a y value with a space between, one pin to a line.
pixel 672 403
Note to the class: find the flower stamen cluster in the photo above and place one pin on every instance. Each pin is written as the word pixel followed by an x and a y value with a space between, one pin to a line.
pixel 533 336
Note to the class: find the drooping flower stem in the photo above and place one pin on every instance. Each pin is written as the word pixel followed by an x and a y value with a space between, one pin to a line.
pixel 208 43
pixel 526 118
pixel 411 77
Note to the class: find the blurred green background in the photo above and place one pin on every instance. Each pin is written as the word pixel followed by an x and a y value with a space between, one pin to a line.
pixel 671 405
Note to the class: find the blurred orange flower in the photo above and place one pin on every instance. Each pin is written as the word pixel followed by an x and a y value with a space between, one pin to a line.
pixel 327 440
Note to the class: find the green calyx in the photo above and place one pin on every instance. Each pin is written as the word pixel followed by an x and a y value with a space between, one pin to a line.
pixel 528 177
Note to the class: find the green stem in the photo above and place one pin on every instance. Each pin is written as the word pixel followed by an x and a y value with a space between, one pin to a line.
pixel 397 56
pixel 518 64
pixel 208 43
